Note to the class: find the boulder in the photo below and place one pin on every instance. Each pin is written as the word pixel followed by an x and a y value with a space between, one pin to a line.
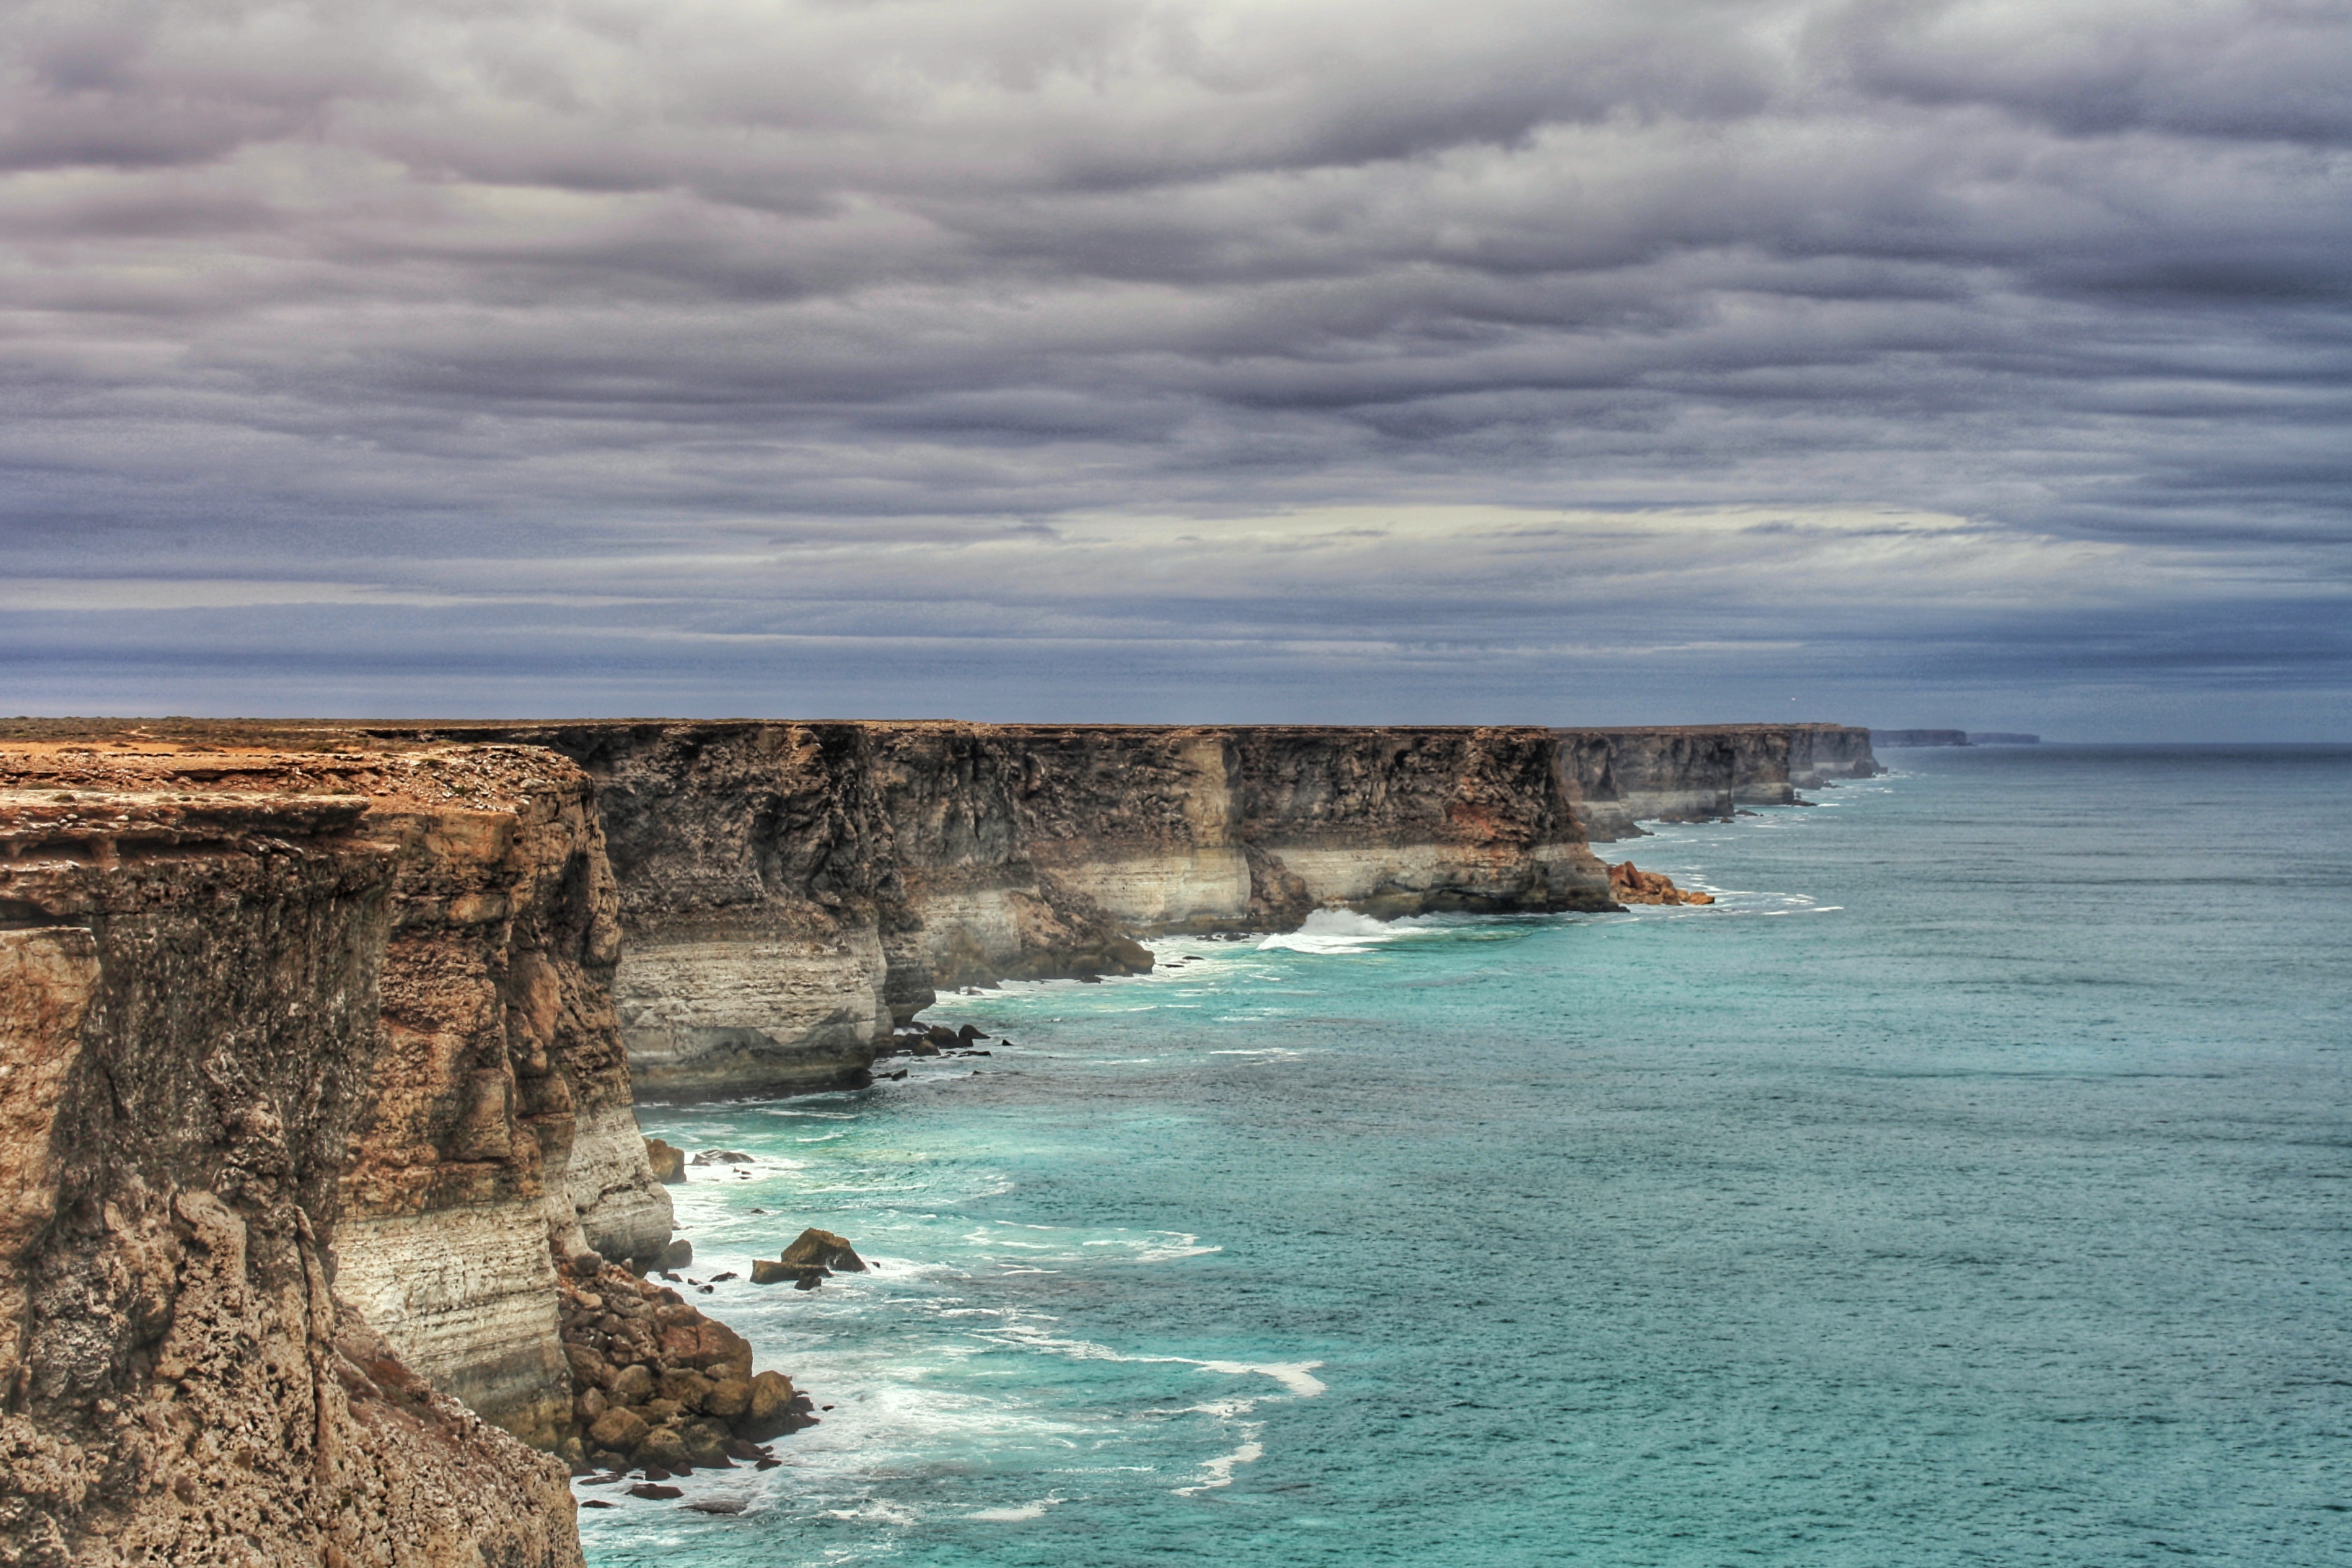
pixel 686 1389
pixel 588 1368
pixel 769 1413
pixel 724 1353
pixel 814 1249
pixel 706 1444
pixel 660 1411
pixel 619 1430
pixel 652 1492
pixel 722 1157
pixel 663 1447
pixel 729 1399
pixel 631 1385
pixel 677 1254
pixel 668 1163
pixel 1628 884
pixel 589 1406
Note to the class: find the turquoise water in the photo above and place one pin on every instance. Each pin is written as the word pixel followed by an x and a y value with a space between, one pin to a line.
pixel 1968 1187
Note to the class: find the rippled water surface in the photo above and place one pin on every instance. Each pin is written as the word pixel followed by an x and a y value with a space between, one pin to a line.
pixel 1968 1185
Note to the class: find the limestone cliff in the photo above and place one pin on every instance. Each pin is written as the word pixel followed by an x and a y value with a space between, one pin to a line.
pixel 1620 777
pixel 190 995
pixel 318 1046
pixel 788 892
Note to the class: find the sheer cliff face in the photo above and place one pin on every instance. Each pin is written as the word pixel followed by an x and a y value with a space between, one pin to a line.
pixel 789 891
pixel 498 1117
pixel 190 972
pixel 1619 778
pixel 316 1049
pixel 758 895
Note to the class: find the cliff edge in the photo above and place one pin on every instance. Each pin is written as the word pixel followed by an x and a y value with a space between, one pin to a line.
pixel 790 892
pixel 321 1182
pixel 191 973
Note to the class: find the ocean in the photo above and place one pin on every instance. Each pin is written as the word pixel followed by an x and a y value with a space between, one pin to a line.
pixel 1968 1185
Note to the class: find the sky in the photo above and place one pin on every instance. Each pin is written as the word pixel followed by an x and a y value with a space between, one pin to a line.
pixel 1569 361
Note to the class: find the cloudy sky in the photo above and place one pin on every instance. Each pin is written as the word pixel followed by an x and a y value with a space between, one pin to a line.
pixel 1894 362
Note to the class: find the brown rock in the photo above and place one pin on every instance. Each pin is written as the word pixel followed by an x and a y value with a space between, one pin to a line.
pixel 814 1249
pixel 770 1409
pixel 588 1367
pixel 665 1447
pixel 589 1406
pixel 686 1389
pixel 768 1271
pixel 653 1491
pixel 660 1411
pixel 1628 884
pixel 706 1444
pixel 619 1430
pixel 729 1399
pixel 668 1163
pixel 631 1385
pixel 725 1354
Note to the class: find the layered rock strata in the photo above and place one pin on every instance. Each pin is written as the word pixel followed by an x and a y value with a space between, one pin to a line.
pixel 789 892
pixel 192 983
pixel 320 1040
pixel 1621 778
pixel 498 1132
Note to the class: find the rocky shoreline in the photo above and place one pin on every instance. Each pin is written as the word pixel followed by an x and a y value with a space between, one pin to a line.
pixel 325 1221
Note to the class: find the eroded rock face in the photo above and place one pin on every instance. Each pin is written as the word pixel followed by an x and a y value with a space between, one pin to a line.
pixel 790 892
pixel 499 1118
pixel 190 973
pixel 1621 778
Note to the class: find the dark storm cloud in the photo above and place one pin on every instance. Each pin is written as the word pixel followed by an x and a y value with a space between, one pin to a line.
pixel 742 338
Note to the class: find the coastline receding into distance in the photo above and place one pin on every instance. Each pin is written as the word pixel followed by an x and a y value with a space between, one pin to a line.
pixel 367 1002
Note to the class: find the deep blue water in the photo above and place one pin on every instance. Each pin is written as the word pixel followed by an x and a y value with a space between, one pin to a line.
pixel 1969 1185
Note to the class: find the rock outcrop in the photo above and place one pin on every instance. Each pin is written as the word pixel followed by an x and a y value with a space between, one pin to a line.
pixel 659 1384
pixel 1629 884
pixel 192 984
pixel 813 1257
